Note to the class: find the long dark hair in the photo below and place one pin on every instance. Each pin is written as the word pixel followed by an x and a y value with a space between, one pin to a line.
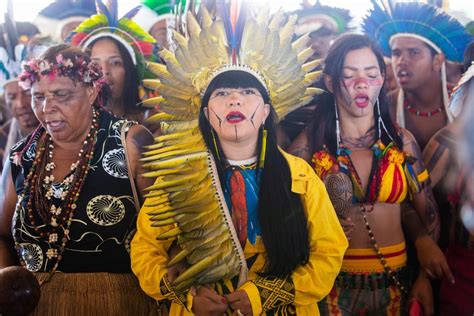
pixel 280 212
pixel 130 93
pixel 322 129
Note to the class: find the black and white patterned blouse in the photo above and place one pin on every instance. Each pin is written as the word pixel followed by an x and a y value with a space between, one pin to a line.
pixel 104 220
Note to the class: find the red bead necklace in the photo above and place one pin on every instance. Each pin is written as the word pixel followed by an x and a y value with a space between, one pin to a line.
pixel 410 109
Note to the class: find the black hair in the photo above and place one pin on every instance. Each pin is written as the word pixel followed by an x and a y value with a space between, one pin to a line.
pixel 322 129
pixel 130 93
pixel 468 56
pixel 322 31
pixel 432 50
pixel 281 214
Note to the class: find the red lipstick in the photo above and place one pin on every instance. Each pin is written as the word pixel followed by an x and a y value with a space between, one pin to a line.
pixel 235 117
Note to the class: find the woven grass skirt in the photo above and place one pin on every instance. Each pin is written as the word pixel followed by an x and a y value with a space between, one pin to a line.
pixel 93 294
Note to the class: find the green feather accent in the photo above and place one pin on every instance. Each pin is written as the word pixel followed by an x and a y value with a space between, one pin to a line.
pixel 143 44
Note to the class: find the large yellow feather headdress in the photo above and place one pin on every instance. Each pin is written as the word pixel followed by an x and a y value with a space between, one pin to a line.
pixel 187 193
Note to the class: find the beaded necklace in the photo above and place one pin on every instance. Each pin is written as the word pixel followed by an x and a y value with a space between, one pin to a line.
pixel 370 197
pixel 373 187
pixel 410 109
pixel 39 183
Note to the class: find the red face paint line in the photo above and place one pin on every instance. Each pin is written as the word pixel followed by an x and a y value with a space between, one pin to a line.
pixel 370 82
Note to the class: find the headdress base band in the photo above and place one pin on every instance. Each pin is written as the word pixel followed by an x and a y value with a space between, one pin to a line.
pixel 243 68
pixel 88 40
pixel 419 37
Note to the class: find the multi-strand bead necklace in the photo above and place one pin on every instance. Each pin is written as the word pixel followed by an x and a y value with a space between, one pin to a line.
pixel 42 191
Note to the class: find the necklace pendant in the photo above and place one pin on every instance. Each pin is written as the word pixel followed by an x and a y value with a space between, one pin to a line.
pixel 58 192
pixel 54 223
pixel 50 166
pixel 49 193
pixel 52 253
pixel 53 238
pixel 55 210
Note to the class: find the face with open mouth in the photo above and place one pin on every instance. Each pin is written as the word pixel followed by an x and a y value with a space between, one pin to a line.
pixel 362 81
pixel 413 62
pixel 236 114
pixel 63 107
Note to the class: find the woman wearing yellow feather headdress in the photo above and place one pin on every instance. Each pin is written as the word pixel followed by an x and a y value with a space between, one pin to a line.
pixel 233 224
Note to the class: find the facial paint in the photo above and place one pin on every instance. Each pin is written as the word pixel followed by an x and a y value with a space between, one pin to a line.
pixel 377 82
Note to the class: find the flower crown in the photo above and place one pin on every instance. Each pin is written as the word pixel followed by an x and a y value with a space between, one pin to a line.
pixel 78 70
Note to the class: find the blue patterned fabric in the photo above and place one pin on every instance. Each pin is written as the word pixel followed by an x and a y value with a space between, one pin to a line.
pixel 252 191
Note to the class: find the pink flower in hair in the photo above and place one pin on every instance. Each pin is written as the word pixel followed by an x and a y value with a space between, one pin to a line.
pixel 44 66
pixel 59 58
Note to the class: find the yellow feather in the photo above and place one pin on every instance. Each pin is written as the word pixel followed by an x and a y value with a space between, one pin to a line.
pixel 193 26
pixel 311 65
pixel 277 20
pixel 304 55
pixel 179 257
pixel 171 153
pixel 182 180
pixel 203 264
pixel 170 234
pixel 176 162
pixel 173 66
pixel 301 43
pixel 288 29
pixel 153 101
pixel 162 172
pixel 158 200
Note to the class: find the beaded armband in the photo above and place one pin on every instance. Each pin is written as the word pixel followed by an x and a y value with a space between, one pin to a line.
pixel 416 181
pixel 424 178
pixel 275 292
pixel 168 291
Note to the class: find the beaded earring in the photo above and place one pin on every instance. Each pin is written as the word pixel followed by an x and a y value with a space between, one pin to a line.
pixel 214 140
pixel 263 151
pixel 380 123
pixel 338 128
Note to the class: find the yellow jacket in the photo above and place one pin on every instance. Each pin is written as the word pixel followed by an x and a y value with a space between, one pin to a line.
pixel 312 282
